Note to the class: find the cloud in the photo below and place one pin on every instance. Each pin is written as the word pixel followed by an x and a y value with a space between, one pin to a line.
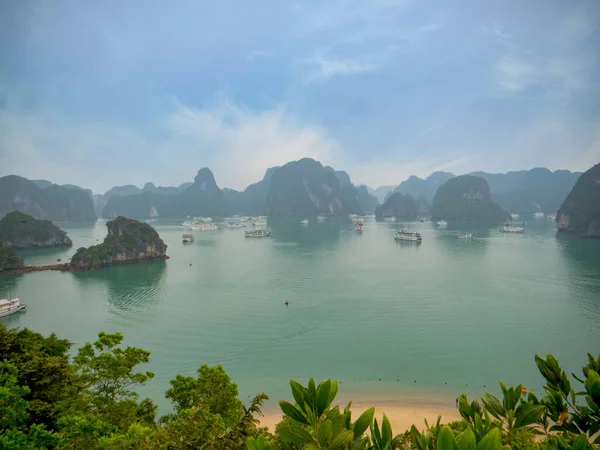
pixel 515 74
pixel 322 69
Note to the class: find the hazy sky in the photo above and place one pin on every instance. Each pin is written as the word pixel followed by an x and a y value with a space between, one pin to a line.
pixel 102 93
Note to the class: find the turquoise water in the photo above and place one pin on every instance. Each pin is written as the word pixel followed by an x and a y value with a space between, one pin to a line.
pixel 362 307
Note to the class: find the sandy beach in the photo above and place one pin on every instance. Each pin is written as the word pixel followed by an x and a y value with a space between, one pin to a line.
pixel 402 415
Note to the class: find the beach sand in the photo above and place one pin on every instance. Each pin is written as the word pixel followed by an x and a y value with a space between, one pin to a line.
pixel 401 415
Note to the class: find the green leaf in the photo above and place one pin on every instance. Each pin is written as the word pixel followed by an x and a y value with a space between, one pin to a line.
pixel 526 414
pixel 491 441
pixel 292 412
pixel 446 440
pixel 325 433
pixel 338 423
pixel 322 397
pixel 492 404
pixel 333 391
pixel 466 440
pixel 294 435
pixel 250 445
pixel 298 392
pixel 386 431
pixel 363 422
pixel 342 439
pixel 580 443
pixel 375 433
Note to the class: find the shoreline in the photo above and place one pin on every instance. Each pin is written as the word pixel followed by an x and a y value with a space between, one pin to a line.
pixel 66 267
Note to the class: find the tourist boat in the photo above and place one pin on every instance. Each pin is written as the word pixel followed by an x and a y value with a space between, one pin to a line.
pixel 357 219
pixel 260 221
pixel 403 235
pixel 235 224
pixel 206 226
pixel 539 215
pixel 389 219
pixel 10 306
pixel 188 238
pixel 464 235
pixel 508 228
pixel 257 233
pixel 320 218
pixel 441 223
pixel 358 227
pixel 551 216
pixel 304 222
pixel 150 221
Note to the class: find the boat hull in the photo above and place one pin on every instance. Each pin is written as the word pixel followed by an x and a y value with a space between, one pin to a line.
pixel 12 311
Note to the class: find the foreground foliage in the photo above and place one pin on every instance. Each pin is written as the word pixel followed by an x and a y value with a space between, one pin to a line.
pixel 50 401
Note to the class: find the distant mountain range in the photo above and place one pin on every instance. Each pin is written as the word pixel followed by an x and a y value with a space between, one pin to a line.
pixel 299 188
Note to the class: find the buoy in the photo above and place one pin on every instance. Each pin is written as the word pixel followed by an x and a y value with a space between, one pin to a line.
pixel 287 303
pixel 190 264
pixel 524 390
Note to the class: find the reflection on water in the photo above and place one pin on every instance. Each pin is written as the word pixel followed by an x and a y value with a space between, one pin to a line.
pixel 314 236
pixel 129 287
pixel 9 285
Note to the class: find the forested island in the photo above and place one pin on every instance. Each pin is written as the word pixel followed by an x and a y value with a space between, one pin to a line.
pixel 580 212
pixel 49 399
pixel 19 230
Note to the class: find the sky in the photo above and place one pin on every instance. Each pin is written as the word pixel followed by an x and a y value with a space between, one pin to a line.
pixel 108 93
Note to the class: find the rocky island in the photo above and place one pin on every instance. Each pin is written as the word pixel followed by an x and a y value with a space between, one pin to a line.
pixel 20 230
pixel 9 259
pixel 580 212
pixel 127 241
pixel 466 198
pixel 399 206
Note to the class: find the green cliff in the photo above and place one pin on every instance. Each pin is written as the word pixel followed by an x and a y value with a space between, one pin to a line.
pixel 9 259
pixel 466 198
pixel 306 188
pixel 366 201
pixel 417 187
pixel 20 230
pixel 580 212
pixel 399 206
pixel 127 241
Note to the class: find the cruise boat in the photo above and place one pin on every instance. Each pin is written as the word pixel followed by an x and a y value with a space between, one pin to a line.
pixel 320 218
pixel 358 227
pixel 464 235
pixel 304 222
pixel 10 306
pixel 260 221
pixel 257 233
pixel 390 219
pixel 233 224
pixel 206 226
pixel 508 228
pixel 188 238
pixel 441 223
pixel 551 216
pixel 403 235
pixel 357 219
pixel 539 215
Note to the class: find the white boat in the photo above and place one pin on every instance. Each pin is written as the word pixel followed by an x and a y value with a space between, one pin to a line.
pixel 257 233
pixel 539 215
pixel 357 219
pixel 234 224
pixel 389 219
pixel 514 215
pixel 187 238
pixel 403 235
pixel 508 228
pixel 206 226
pixel 551 216
pixel 10 306
pixel 150 221
pixel 464 235
pixel 358 227
pixel 441 223
pixel 304 222
pixel 320 218
pixel 260 221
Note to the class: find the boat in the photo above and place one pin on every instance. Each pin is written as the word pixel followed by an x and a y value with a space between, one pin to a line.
pixel 205 226
pixel 539 215
pixel 358 227
pixel 421 220
pixel 304 222
pixel 10 306
pixel 551 216
pixel 320 218
pixel 389 219
pixel 257 233
pixel 514 215
pixel 187 238
pixel 464 235
pixel 403 235
pixel 357 219
pixel 260 221
pixel 441 223
pixel 150 221
pixel 508 228
pixel 235 224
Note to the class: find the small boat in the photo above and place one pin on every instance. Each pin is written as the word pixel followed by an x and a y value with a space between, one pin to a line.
pixel 205 226
pixel 188 238
pixel 358 227
pixel 421 220
pixel 539 215
pixel 389 219
pixel 412 236
pixel 304 222
pixel 260 221
pixel 10 306
pixel 441 223
pixel 551 216
pixel 357 219
pixel 508 228
pixel 150 221
pixel 257 233
pixel 234 224
pixel 320 218
pixel 464 235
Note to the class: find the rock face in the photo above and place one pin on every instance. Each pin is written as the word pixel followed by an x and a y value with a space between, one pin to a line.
pixel 128 241
pixel 427 188
pixel 580 212
pixel 9 259
pixel 367 202
pixel 56 203
pixel 466 198
pixel 399 206
pixel 20 230
pixel 306 188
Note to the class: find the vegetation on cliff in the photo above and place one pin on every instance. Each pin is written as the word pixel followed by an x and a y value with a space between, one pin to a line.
pixel 9 259
pixel 127 241
pixel 367 202
pixel 580 212
pixel 399 206
pixel 417 187
pixel 20 230
pixel 56 203
pixel 50 400
pixel 466 198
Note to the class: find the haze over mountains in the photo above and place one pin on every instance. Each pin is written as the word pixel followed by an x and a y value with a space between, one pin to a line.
pixel 298 188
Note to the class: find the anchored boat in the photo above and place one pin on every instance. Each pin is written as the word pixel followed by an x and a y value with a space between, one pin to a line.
pixel 188 238
pixel 11 306
pixel 442 223
pixel 257 233
pixel 358 227
pixel 304 222
pixel 464 235
pixel 508 228
pixel 403 235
